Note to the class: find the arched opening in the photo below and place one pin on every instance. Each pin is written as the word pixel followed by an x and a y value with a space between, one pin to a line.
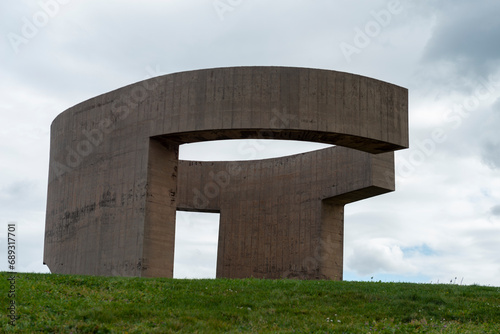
pixel 245 149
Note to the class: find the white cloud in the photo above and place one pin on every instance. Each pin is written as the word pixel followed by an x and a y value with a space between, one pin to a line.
pixel 378 256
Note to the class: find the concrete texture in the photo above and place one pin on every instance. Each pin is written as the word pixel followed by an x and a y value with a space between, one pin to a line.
pixel 115 181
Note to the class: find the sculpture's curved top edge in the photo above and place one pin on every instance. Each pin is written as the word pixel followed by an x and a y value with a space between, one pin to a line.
pixel 226 68
pixel 258 97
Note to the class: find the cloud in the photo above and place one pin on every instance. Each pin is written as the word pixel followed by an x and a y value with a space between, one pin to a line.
pixel 465 36
pixel 372 256
pixel 496 210
pixel 489 139
pixel 491 154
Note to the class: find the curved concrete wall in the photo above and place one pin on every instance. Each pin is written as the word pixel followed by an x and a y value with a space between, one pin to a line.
pixel 115 181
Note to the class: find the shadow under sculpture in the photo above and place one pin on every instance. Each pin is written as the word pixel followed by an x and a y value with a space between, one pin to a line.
pixel 115 180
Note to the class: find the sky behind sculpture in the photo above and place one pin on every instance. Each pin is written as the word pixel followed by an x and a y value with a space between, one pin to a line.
pixel 444 219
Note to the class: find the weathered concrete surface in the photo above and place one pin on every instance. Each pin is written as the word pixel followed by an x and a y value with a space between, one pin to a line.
pixel 283 217
pixel 115 181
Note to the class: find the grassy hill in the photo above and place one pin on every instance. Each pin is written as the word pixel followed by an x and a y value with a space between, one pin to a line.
pixel 83 304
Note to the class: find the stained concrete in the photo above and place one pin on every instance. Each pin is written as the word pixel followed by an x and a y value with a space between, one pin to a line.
pixel 115 181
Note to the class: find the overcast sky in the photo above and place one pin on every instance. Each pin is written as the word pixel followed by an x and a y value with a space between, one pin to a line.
pixel 442 222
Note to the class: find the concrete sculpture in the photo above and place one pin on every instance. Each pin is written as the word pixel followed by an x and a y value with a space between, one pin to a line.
pixel 115 180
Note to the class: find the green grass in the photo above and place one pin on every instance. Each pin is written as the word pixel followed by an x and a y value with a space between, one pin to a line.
pixel 84 304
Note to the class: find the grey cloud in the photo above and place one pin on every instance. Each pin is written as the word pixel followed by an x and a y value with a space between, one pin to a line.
pixel 19 188
pixel 496 210
pixel 22 197
pixel 491 154
pixel 489 136
pixel 467 36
